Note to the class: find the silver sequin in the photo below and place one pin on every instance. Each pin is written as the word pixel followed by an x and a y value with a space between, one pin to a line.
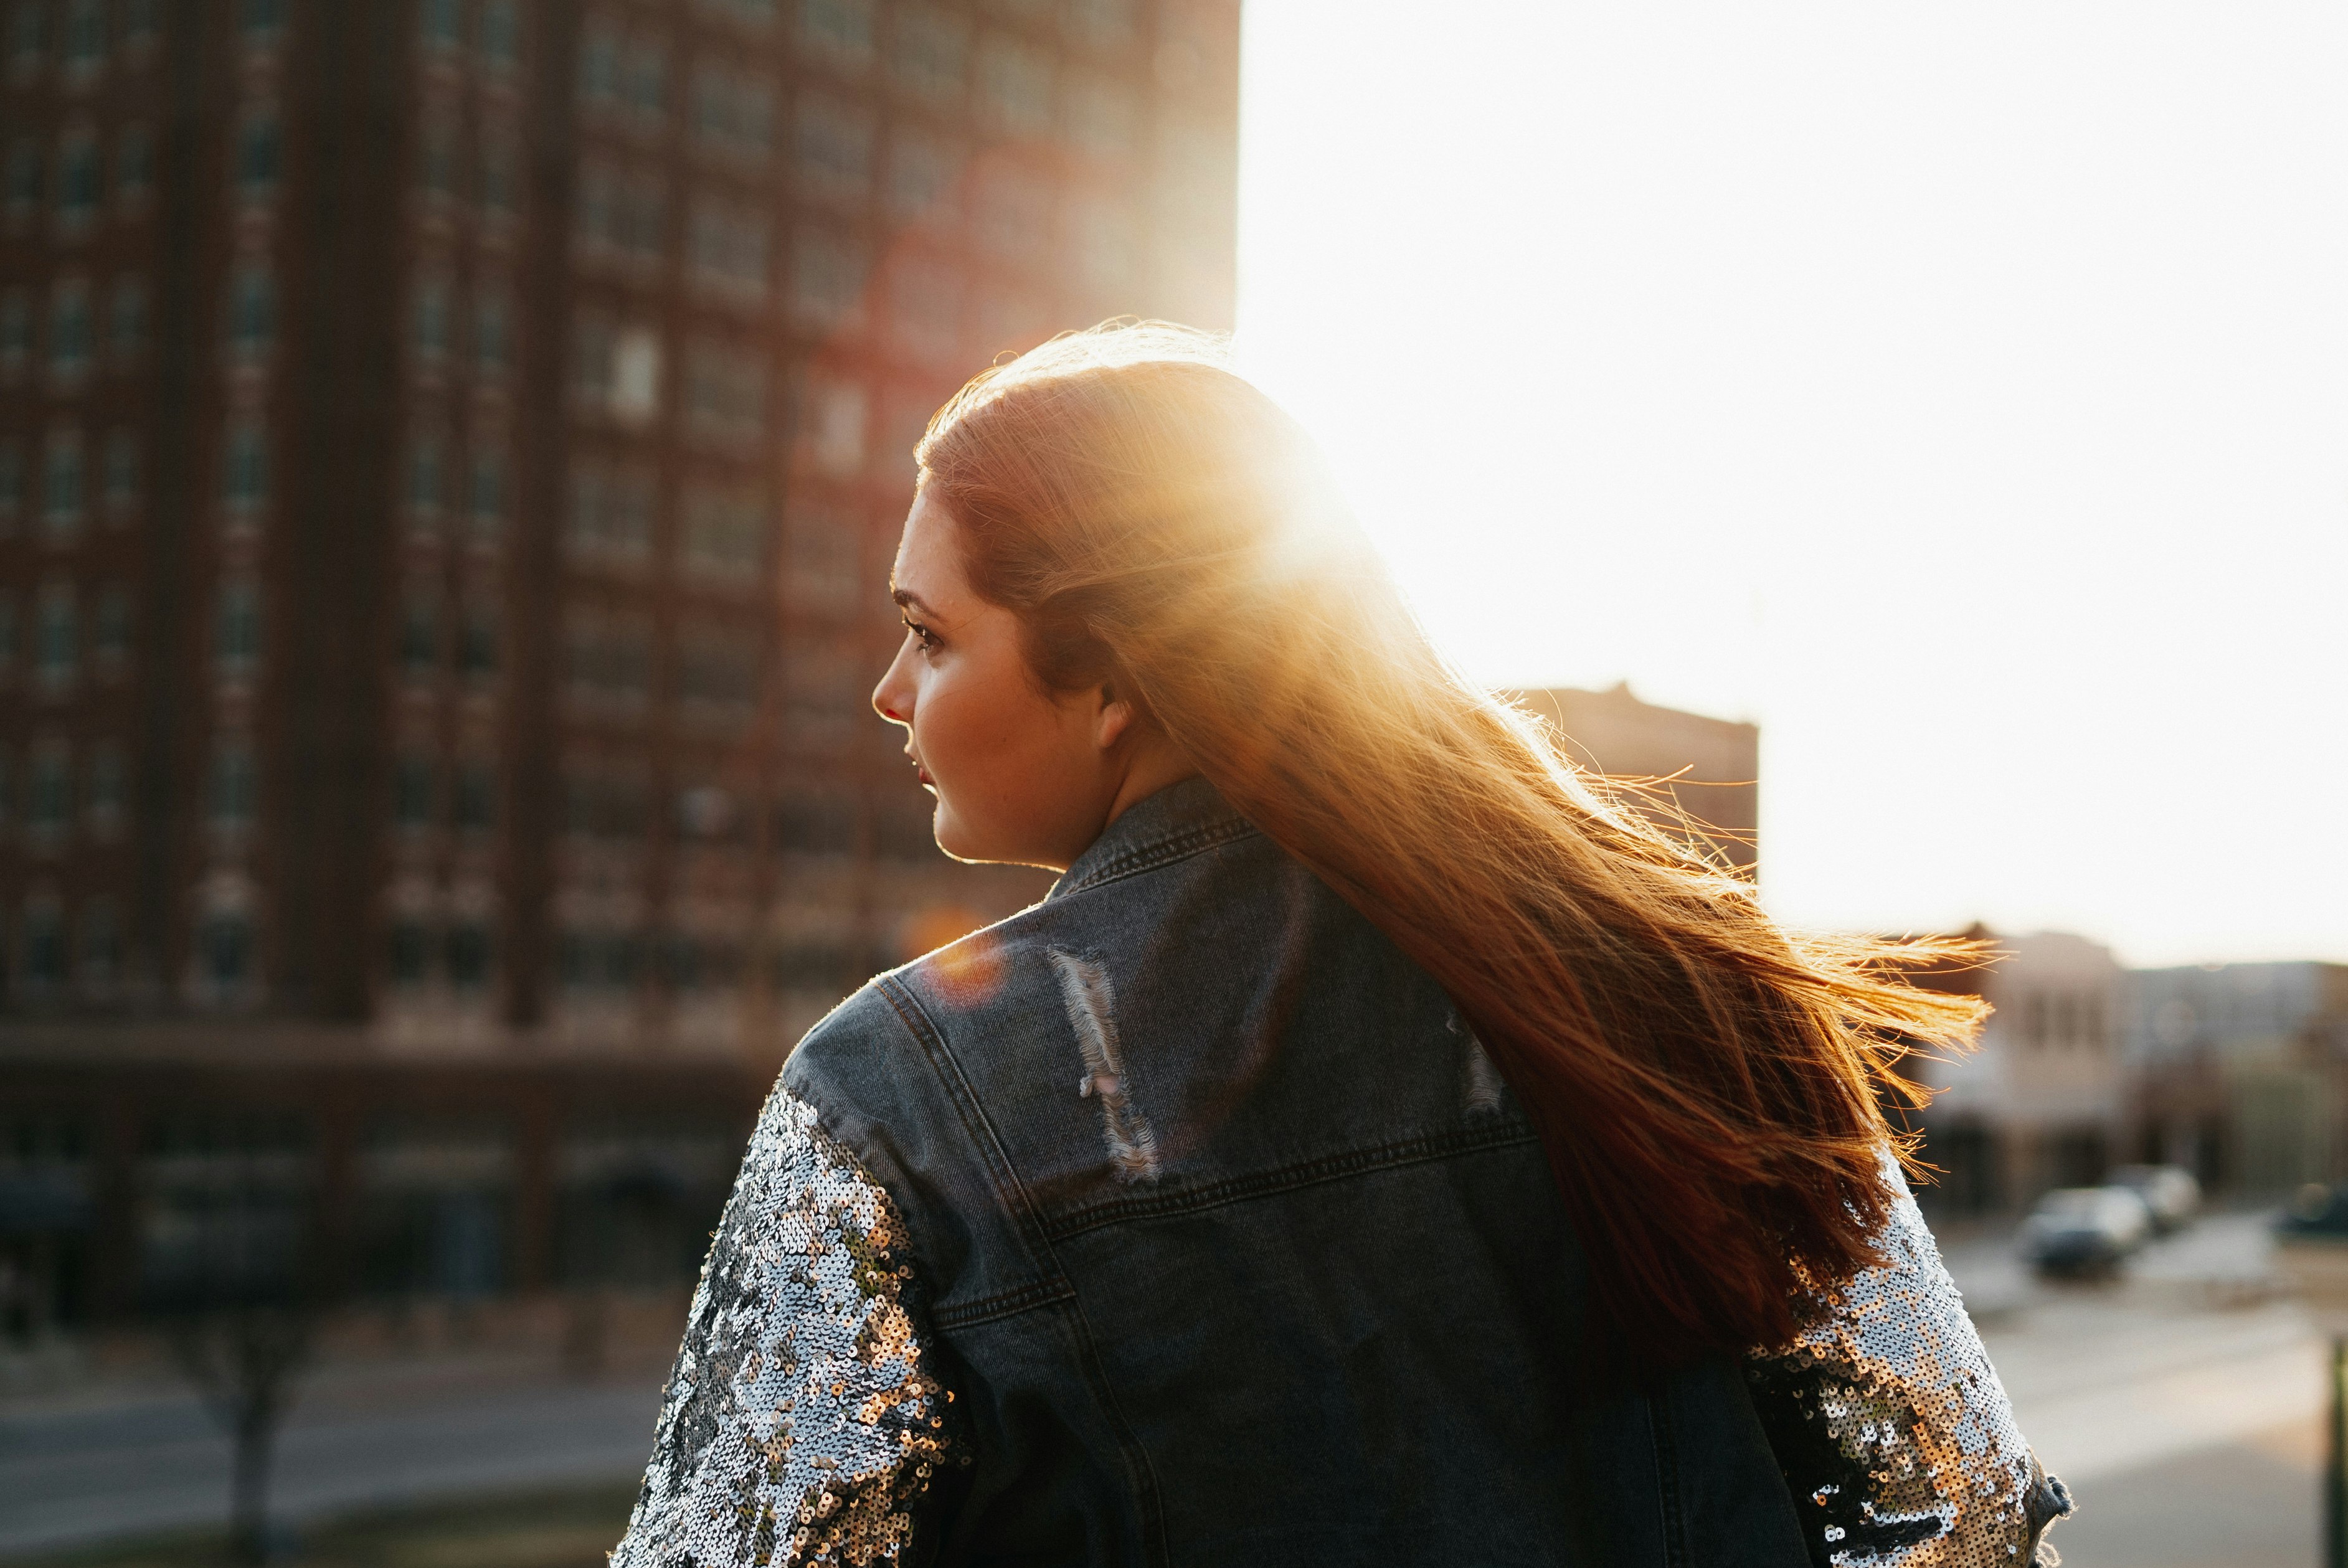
pixel 802 1423
pixel 1893 1428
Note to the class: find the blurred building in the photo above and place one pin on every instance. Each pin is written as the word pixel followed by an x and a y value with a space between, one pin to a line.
pixel 1709 769
pixel 2239 1072
pixel 451 453
pixel 2040 1104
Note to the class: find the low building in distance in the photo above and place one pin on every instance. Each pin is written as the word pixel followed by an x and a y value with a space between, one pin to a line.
pixel 1707 770
pixel 2239 1072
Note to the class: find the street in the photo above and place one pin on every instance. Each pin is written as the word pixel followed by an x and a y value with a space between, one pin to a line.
pixel 2181 1404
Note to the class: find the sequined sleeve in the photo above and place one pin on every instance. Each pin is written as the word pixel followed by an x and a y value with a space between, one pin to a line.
pixel 1892 1429
pixel 803 1421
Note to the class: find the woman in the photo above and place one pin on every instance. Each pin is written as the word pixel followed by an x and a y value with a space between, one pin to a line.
pixel 1379 1147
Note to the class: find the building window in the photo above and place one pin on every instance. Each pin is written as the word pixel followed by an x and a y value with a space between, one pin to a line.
pixel 414 792
pixel 107 790
pixel 134 164
pixel 608 658
pixel 491 333
pixel 724 392
pixel 45 945
pixel 244 480
pixel 70 331
pixel 63 490
pixel 823 687
pixel 419 635
pixel 423 487
pixel 476 802
pixel 28 36
pixel 1015 86
pixel 610 513
pixel 488 495
pixel 129 326
pixel 476 646
pixel 102 943
pixel 932 48
pixel 922 175
pixel 733 113
pixel 622 216
pixel 258 153
pixel 724 534
pixel 49 793
pixel 469 955
pixel 252 312
pixel 821 567
pixel 7 634
pixel 79 181
pixel 436 157
pixel 599 64
pixel 236 630
pixel 410 950
pixel 834 148
pixel 428 321
pixel 442 23
pixel 121 472
pixel 110 630
pixel 500 178
pixel 603 805
pixel 12 483
pixel 24 179
pixel 57 638
pixel 717 674
pixel 233 786
pixel 260 20
pixel 826 277
pixel 500 33
pixel 730 248
pixel 842 29
pixel 82 46
pixel 225 948
pixel 16 331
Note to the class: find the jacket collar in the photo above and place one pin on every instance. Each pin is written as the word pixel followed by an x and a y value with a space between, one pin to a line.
pixel 1180 820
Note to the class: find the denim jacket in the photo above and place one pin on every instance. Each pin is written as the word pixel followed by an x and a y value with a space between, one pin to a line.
pixel 1181 1219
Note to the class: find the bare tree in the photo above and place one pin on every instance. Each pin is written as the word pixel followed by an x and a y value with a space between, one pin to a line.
pixel 244 1357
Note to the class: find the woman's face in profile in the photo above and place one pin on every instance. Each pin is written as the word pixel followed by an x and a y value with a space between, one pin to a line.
pixel 1020 774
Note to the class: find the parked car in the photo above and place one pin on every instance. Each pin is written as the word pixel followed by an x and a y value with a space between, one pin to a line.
pixel 2168 1191
pixel 2316 1212
pixel 2085 1230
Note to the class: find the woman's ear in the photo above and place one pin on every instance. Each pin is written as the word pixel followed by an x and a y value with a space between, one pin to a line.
pixel 1113 719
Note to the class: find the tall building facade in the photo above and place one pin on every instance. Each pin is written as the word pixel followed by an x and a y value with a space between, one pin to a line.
pixel 451 453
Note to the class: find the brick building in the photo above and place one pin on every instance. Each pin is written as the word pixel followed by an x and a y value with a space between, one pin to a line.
pixel 449 455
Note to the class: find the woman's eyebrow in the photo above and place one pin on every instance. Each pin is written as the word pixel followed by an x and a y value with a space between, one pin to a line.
pixel 906 599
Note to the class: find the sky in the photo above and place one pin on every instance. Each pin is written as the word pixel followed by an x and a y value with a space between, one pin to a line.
pixel 1959 392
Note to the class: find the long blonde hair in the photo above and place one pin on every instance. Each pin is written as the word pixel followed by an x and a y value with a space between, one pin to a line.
pixel 1704 1083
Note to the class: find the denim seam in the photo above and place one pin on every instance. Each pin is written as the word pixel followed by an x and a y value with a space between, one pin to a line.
pixel 1162 851
pixel 1025 1223
pixel 1667 1477
pixel 1002 1304
pixel 1287 1178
